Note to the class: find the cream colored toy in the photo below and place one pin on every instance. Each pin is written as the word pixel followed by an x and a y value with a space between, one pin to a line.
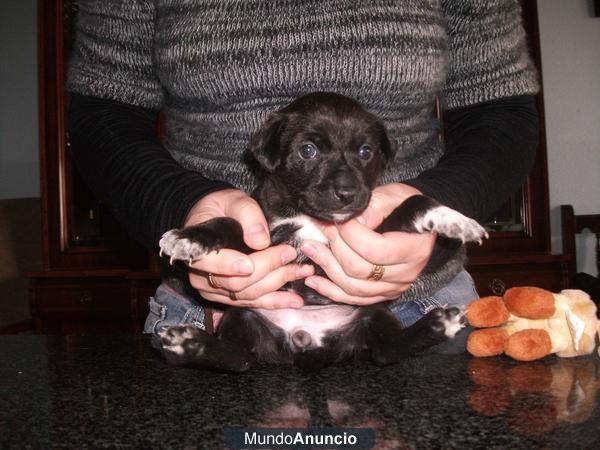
pixel 529 323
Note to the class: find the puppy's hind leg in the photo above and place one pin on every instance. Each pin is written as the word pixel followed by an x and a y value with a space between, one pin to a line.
pixel 187 345
pixel 388 341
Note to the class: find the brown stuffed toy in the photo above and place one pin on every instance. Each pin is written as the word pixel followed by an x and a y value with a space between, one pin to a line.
pixel 529 323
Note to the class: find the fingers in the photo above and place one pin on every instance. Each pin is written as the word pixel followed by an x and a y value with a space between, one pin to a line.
pixel 271 271
pixel 225 262
pixel 354 287
pixel 351 262
pixel 388 248
pixel 265 262
pixel 384 199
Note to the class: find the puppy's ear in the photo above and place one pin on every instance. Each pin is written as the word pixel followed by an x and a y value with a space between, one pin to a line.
pixel 265 143
pixel 388 150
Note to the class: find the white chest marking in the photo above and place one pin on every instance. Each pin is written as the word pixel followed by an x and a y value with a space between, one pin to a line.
pixel 315 319
pixel 308 228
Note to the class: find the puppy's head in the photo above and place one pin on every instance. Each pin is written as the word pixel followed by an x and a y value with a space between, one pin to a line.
pixel 326 151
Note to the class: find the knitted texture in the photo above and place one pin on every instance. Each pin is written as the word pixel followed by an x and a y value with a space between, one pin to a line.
pixel 218 67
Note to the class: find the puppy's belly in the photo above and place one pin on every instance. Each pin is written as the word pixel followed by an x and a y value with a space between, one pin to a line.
pixel 316 320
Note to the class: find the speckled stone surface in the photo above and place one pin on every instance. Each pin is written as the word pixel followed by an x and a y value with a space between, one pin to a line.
pixel 115 392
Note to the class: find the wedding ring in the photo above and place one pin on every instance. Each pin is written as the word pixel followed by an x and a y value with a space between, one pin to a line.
pixel 212 283
pixel 376 273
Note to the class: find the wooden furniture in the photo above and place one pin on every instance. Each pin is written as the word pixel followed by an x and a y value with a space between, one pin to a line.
pixel 95 279
pixel 518 252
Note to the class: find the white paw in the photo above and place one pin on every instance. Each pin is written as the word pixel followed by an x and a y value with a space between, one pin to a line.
pixel 452 224
pixel 174 338
pixel 453 323
pixel 180 248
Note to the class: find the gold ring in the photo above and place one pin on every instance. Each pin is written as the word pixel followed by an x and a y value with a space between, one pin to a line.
pixel 376 273
pixel 212 283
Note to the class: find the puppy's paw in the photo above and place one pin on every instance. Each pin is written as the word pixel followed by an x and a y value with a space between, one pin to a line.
pixel 450 223
pixel 441 324
pixel 187 345
pixel 194 242
pixel 185 341
pixel 178 247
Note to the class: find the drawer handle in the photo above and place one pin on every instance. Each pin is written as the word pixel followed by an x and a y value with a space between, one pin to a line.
pixel 86 297
pixel 498 286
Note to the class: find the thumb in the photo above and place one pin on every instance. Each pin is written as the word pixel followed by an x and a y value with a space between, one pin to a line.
pixel 377 210
pixel 250 215
pixel 384 199
pixel 371 217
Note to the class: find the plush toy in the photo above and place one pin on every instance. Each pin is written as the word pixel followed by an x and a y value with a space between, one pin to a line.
pixel 529 323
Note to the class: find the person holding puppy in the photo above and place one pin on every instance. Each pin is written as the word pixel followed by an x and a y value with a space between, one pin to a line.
pixel 217 69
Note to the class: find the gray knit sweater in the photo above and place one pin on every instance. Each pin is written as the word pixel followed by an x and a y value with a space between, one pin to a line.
pixel 218 67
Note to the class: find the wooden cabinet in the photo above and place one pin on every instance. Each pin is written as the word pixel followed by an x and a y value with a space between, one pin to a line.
pixel 96 279
pixel 518 251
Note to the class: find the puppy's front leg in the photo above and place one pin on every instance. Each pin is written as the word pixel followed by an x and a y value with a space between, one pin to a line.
pixel 420 214
pixel 193 242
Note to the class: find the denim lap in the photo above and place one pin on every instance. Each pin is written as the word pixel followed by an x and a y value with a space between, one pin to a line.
pixel 168 307
pixel 460 291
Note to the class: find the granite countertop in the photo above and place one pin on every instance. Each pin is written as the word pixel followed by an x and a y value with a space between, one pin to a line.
pixel 115 392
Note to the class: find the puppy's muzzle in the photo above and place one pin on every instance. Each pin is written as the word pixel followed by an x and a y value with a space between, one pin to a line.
pixel 345 188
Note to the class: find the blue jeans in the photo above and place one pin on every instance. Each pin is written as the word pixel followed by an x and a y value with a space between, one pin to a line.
pixel 168 307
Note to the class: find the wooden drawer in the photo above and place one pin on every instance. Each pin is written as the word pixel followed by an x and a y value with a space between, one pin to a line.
pixel 494 279
pixel 81 295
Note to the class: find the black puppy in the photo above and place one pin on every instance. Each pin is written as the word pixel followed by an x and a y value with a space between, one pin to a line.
pixel 321 156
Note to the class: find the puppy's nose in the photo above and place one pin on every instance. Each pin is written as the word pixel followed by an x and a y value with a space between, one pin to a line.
pixel 301 338
pixel 344 190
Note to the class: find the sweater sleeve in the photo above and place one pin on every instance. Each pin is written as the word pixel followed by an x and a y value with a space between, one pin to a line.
pixel 490 149
pixel 115 98
pixel 117 151
pixel 112 56
pixel 488 56
pixel 490 118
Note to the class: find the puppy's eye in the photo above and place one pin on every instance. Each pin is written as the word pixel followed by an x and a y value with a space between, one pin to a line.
pixel 365 152
pixel 308 151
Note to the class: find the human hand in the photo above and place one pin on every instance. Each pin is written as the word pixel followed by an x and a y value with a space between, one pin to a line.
pixel 255 278
pixel 355 249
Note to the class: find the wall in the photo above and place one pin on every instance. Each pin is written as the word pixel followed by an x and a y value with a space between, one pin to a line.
pixel 570 44
pixel 19 173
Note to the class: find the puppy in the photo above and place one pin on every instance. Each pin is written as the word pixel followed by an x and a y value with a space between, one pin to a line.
pixel 321 157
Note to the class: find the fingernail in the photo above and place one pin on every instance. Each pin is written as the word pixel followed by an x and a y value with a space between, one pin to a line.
pixel 304 271
pixel 288 255
pixel 258 233
pixel 361 220
pixel 309 250
pixel 243 267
